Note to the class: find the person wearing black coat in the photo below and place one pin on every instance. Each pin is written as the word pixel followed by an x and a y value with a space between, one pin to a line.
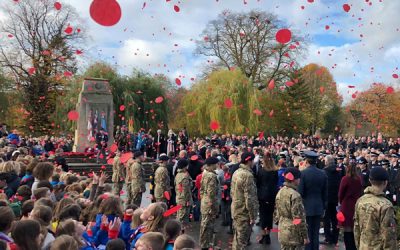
pixel 313 190
pixel 334 173
pixel 267 188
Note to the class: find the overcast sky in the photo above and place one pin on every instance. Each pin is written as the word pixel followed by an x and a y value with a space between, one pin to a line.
pixel 360 47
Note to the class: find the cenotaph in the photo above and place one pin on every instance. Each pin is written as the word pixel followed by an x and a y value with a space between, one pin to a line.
pixel 96 112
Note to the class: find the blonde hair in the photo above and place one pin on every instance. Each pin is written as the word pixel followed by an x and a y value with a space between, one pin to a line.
pixel 268 163
pixel 9 166
pixel 64 242
pixel 136 221
pixel 157 223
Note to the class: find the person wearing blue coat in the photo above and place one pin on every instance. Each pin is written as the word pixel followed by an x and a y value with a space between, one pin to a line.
pixel 313 189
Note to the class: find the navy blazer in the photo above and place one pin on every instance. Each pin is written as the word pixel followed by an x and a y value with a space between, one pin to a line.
pixel 313 190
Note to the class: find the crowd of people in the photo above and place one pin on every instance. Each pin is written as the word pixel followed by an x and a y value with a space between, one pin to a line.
pixel 280 184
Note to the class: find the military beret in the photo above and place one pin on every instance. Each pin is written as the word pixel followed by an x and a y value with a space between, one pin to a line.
pixel 292 173
pixel 378 174
pixel 373 154
pixel 182 163
pixel 310 154
pixel 385 163
pixel 247 156
pixel 211 160
pixel 362 160
pixel 163 157
pixel 394 155
pixel 137 154
pixel 340 157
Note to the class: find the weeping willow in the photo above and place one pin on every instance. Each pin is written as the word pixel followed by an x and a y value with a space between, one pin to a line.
pixel 205 103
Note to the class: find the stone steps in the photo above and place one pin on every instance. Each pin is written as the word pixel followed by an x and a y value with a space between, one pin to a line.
pixel 85 168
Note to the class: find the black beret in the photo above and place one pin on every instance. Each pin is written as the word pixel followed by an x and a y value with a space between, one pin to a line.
pixel 340 157
pixel 385 163
pixel 310 154
pixel 163 157
pixel 247 156
pixel 137 154
pixel 373 154
pixel 182 163
pixel 395 156
pixel 211 160
pixel 378 174
pixel 294 172
pixel 362 160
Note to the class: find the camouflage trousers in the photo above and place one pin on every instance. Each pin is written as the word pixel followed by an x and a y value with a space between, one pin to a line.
pixel 242 232
pixel 129 195
pixel 183 214
pixel 117 187
pixel 287 247
pixel 207 231
pixel 137 199
pixel 162 199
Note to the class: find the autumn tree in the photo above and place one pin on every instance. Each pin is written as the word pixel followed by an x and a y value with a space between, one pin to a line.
pixel 378 105
pixel 40 52
pixel 248 41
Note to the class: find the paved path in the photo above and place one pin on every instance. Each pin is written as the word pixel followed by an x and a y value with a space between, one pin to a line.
pixel 224 240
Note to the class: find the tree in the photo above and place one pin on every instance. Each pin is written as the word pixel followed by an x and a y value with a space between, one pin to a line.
pixel 321 95
pixel 225 97
pixel 40 54
pixel 247 41
pixel 379 106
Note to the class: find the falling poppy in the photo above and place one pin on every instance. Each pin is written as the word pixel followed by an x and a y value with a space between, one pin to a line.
pixel 283 36
pixel 257 112
pixel 122 108
pixel 271 84
pixel 214 125
pixel 346 7
pixel 340 217
pixel 105 12
pixel 57 5
pixel 228 103
pixel 126 156
pixel 296 221
pixel 73 115
pixel 172 210
pixel 178 81
pixel 159 99
pixel 176 8
pixel 390 90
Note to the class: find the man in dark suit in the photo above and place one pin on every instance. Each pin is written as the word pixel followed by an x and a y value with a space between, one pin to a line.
pixel 313 189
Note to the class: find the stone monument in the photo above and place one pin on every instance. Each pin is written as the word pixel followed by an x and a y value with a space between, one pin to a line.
pixel 96 112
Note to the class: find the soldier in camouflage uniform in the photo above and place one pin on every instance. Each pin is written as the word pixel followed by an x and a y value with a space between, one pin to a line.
pixel 128 181
pixel 244 202
pixel 118 175
pixel 162 180
pixel 374 219
pixel 183 189
pixel 209 205
pixel 290 214
pixel 138 185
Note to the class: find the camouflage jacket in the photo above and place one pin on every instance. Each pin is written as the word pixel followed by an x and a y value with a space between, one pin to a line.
pixel 244 194
pixel 209 192
pixel 138 184
pixel 374 221
pixel 118 170
pixel 183 188
pixel 161 181
pixel 290 216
